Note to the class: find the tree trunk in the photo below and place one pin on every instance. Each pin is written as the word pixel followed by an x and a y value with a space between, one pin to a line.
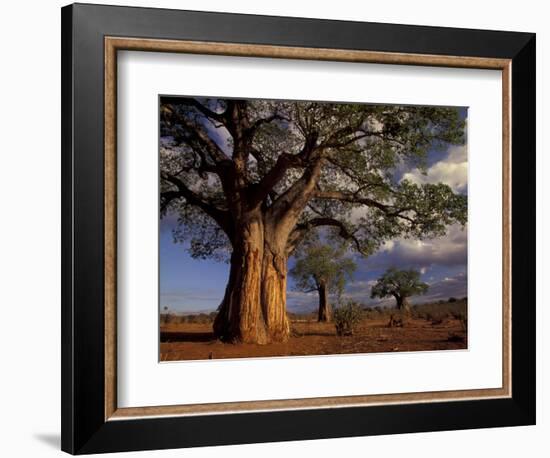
pixel 253 309
pixel 273 296
pixel 240 316
pixel 403 304
pixel 325 312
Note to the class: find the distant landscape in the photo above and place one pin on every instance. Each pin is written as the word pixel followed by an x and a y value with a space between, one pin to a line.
pixel 441 325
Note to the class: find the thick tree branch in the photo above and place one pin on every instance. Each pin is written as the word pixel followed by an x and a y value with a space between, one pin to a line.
pixel 389 210
pixel 219 117
pixel 301 230
pixel 274 117
pixel 351 198
pixel 284 162
pixel 182 191
pixel 296 197
pixel 196 134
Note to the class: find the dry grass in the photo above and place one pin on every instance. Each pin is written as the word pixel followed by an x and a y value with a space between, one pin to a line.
pixel 430 327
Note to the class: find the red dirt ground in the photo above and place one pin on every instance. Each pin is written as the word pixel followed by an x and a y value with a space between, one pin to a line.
pixel 192 341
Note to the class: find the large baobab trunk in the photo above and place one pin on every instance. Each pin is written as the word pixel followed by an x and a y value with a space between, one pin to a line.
pixel 240 317
pixel 254 306
pixel 274 277
pixel 403 304
pixel 273 295
pixel 325 312
pixel 253 309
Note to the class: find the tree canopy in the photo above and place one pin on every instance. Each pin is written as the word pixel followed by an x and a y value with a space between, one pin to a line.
pixel 329 164
pixel 400 284
pixel 320 264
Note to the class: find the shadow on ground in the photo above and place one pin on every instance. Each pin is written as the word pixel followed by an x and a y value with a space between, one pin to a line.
pixel 187 336
pixel 51 439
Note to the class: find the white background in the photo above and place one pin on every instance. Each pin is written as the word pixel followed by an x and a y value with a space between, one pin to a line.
pixel 30 229
pixel 142 76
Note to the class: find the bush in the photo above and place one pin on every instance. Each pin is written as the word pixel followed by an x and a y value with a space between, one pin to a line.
pixel 452 299
pixel 346 318
pixel 463 318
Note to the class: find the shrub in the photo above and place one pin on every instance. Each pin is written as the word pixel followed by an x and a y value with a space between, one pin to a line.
pixel 346 318
pixel 203 318
pixel 463 318
pixel 452 299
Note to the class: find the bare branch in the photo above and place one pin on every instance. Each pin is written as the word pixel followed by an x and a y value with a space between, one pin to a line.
pixel 196 135
pixel 220 216
pixel 259 122
pixel 274 175
pixel 219 117
pixel 352 198
pixel 301 230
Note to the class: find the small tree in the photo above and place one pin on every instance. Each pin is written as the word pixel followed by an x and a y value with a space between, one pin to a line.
pixel 325 269
pixel 401 284
pixel 165 317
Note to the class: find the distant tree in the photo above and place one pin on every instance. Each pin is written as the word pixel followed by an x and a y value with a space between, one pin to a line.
pixel 325 269
pixel 165 317
pixel 401 284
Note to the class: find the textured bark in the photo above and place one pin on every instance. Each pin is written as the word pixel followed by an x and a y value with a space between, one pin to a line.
pixel 403 304
pixel 325 310
pixel 273 296
pixel 253 309
pixel 240 316
pixel 254 306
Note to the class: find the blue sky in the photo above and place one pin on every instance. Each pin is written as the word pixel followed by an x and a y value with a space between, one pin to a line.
pixel 192 285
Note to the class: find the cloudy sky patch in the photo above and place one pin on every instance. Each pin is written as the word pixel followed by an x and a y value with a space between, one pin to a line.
pixel 453 170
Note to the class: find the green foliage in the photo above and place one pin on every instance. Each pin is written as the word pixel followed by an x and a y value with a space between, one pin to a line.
pixel 346 318
pixel 359 194
pixel 399 284
pixel 319 263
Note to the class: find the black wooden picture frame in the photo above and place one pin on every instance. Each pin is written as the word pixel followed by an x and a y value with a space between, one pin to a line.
pixel 85 428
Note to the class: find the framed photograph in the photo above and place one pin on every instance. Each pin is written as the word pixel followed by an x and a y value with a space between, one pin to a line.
pixel 281 229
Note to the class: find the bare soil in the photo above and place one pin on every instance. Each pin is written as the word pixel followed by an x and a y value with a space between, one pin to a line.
pixel 192 341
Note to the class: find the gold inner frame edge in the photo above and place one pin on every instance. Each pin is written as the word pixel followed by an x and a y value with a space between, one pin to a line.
pixel 114 44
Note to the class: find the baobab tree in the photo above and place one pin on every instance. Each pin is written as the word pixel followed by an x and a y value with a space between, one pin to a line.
pixel 400 284
pixel 248 179
pixel 325 269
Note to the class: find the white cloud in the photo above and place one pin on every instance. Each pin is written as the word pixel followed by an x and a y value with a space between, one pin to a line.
pixel 360 285
pixel 453 170
pixel 449 250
